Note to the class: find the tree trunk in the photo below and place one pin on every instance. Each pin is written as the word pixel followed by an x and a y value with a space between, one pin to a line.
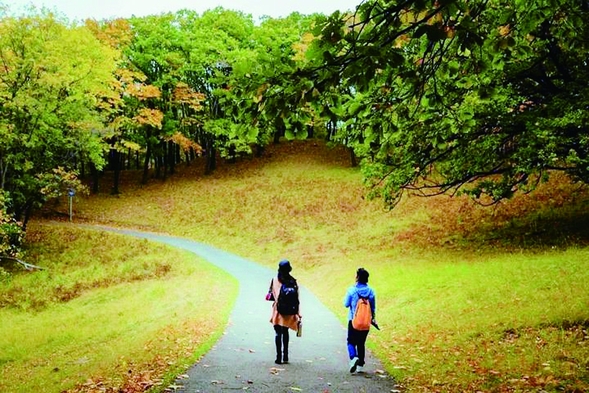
pixel 211 159
pixel 116 163
pixel 95 178
pixel 232 155
pixel 178 154
pixel 27 215
pixel 158 166
pixel 353 160
pixel 259 150
pixel 280 131
pixel 146 164
pixel 162 169
pixel 331 130
pixel 171 157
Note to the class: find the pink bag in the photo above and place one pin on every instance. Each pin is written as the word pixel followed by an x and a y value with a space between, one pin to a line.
pixel 270 295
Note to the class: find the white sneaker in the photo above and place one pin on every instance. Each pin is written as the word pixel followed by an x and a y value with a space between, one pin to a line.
pixel 359 369
pixel 354 364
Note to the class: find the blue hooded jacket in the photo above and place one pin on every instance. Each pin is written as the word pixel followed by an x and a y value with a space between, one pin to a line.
pixel 354 293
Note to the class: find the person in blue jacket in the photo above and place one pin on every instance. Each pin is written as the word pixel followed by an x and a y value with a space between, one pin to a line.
pixel 357 338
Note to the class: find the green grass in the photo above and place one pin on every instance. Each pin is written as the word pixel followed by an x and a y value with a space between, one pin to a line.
pixel 106 305
pixel 469 298
pixel 454 317
pixel 454 321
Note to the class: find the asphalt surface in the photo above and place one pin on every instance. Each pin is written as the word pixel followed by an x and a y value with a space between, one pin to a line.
pixel 243 359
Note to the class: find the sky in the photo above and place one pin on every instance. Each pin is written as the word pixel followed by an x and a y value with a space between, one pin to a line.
pixel 106 9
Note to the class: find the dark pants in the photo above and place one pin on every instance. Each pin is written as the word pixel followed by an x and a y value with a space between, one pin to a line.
pixel 357 343
pixel 281 340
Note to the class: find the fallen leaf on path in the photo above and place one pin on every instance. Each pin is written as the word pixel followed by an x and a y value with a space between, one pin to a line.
pixel 275 370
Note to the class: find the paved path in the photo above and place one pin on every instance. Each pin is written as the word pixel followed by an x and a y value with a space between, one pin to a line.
pixel 243 359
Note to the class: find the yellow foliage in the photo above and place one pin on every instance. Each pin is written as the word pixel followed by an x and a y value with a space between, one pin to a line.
pixel 151 117
pixel 184 94
pixel 504 30
pixel 185 143
pixel 402 40
pixel 131 145
pixel 143 92
pixel 115 33
pixel 300 48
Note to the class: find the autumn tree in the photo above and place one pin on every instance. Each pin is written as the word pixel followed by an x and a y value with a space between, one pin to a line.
pixel 120 127
pixel 51 77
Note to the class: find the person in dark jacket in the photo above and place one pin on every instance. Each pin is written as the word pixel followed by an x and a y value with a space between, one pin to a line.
pixel 357 338
pixel 282 323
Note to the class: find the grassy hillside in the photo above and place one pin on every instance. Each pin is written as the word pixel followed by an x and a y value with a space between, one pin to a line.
pixel 470 298
pixel 108 311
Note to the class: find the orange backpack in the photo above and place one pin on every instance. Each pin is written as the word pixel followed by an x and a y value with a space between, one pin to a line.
pixel 362 315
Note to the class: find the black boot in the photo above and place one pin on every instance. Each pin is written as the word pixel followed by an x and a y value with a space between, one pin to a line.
pixel 278 343
pixel 285 340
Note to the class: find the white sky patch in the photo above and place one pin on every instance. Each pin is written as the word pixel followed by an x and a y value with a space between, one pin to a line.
pixel 106 9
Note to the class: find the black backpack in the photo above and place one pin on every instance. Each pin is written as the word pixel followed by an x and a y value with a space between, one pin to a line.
pixel 288 298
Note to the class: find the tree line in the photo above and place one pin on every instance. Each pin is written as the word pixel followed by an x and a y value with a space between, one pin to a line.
pixel 484 97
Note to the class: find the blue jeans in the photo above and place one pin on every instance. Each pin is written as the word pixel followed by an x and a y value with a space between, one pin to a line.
pixel 357 343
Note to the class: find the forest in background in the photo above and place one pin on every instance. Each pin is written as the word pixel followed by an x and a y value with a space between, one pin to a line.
pixel 486 98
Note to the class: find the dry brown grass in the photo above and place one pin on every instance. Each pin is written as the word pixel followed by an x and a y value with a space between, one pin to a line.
pixel 275 198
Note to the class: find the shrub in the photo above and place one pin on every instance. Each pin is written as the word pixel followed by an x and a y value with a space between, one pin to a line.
pixel 11 231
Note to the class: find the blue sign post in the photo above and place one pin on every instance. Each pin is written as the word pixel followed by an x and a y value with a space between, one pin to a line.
pixel 70 193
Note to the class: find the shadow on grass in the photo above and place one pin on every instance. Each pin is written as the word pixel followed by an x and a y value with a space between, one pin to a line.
pixel 568 228
pixel 556 216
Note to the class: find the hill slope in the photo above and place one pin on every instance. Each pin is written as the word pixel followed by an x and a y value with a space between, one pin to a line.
pixel 470 297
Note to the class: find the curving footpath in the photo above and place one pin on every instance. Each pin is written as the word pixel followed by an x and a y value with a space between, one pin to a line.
pixel 243 359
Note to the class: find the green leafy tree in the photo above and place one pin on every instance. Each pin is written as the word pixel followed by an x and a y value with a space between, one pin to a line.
pixel 281 46
pixel 52 76
pixel 218 53
pixel 482 97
